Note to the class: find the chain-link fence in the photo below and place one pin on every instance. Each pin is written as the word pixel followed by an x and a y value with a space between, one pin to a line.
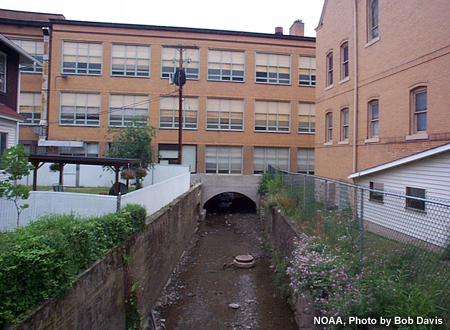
pixel 374 222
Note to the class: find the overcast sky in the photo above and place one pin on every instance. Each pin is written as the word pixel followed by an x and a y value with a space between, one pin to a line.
pixel 234 15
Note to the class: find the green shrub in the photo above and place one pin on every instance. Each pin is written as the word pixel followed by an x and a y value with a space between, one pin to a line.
pixel 40 260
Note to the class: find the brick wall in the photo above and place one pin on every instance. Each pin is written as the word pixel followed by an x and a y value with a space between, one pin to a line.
pixel 412 51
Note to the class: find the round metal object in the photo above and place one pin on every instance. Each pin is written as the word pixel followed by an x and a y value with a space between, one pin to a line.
pixel 244 261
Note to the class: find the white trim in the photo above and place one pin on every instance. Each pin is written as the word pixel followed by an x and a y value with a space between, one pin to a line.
pixel 20 51
pixel 402 161
pixel 57 143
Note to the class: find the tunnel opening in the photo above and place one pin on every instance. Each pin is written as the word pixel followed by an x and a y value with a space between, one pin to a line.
pixel 230 202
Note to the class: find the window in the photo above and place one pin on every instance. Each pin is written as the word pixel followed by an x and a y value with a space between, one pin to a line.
pixel 344 61
pixel 375 195
pixel 272 116
pixel 307 71
pixel 171 61
pixel 82 58
pixel 413 203
pixel 36 49
pixel 419 110
pixel 226 65
pixel 168 154
pixel 374 118
pixel 224 114
pixel 90 149
pixel 305 160
pixel 273 69
pixel 329 127
pixel 3 144
pixel 223 160
pixel 124 108
pixel 30 107
pixel 130 60
pixel 169 114
pixel 306 118
pixel 373 20
pixel 344 125
pixel 329 69
pixel 263 157
pixel 82 109
pixel 2 72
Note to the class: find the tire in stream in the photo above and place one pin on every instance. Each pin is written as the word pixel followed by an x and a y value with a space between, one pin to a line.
pixel 207 292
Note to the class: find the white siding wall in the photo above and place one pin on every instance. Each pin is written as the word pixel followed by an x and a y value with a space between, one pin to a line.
pixel 431 174
pixel 9 127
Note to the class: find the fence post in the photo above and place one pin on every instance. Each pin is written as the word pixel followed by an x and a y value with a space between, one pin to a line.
pixel 118 202
pixel 361 223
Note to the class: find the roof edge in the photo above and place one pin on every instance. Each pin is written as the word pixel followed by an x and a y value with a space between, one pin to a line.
pixel 402 161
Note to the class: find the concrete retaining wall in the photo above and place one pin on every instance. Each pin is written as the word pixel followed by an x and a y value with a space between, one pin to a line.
pixel 146 261
pixel 281 232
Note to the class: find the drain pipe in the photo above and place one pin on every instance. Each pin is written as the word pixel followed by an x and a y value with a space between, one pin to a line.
pixel 355 88
pixel 44 90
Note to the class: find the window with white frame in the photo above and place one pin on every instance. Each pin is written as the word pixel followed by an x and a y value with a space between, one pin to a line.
pixel 419 110
pixel 376 194
pixel 223 160
pixel 171 61
pixel 344 124
pixel 265 156
pixel 80 109
pixel 374 118
pixel 33 47
pixel 2 72
pixel 89 149
pixel 329 79
pixel 272 116
pixel 169 114
pixel 30 107
pixel 305 160
pixel 84 58
pixel 413 202
pixel 306 118
pixel 273 68
pixel 344 61
pixel 372 21
pixel 307 71
pixel 226 65
pixel 224 114
pixel 124 109
pixel 329 127
pixel 130 60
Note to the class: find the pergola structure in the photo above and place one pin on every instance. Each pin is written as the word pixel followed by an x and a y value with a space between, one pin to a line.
pixel 115 163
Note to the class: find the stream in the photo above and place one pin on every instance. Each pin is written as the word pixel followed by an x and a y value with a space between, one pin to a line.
pixel 207 291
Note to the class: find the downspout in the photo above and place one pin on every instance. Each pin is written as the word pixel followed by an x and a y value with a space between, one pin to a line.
pixel 44 90
pixel 355 88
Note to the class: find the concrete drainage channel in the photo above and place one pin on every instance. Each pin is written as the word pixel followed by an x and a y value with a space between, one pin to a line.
pixel 217 286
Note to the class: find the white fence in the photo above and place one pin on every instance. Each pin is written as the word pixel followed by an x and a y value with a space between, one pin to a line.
pixel 97 176
pixel 41 203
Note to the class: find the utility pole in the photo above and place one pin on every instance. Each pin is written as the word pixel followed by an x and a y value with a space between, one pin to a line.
pixel 180 80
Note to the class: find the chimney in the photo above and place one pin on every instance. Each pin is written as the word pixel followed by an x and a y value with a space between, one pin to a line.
pixel 279 31
pixel 297 29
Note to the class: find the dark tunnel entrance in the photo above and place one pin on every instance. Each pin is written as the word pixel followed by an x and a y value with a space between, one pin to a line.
pixel 230 202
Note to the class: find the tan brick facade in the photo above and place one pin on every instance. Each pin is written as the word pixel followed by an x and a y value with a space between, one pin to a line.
pixel 154 86
pixel 412 50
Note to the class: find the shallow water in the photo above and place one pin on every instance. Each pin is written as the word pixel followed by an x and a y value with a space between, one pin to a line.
pixel 205 283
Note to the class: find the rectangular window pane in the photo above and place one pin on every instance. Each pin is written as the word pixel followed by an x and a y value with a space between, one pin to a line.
pixel 126 109
pixel 81 109
pixel 273 68
pixel 169 115
pixel 130 60
pixel 82 58
pixel 223 160
pixel 265 156
pixel 272 116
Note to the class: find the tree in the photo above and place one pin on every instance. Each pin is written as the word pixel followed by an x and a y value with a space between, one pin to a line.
pixel 15 164
pixel 133 141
